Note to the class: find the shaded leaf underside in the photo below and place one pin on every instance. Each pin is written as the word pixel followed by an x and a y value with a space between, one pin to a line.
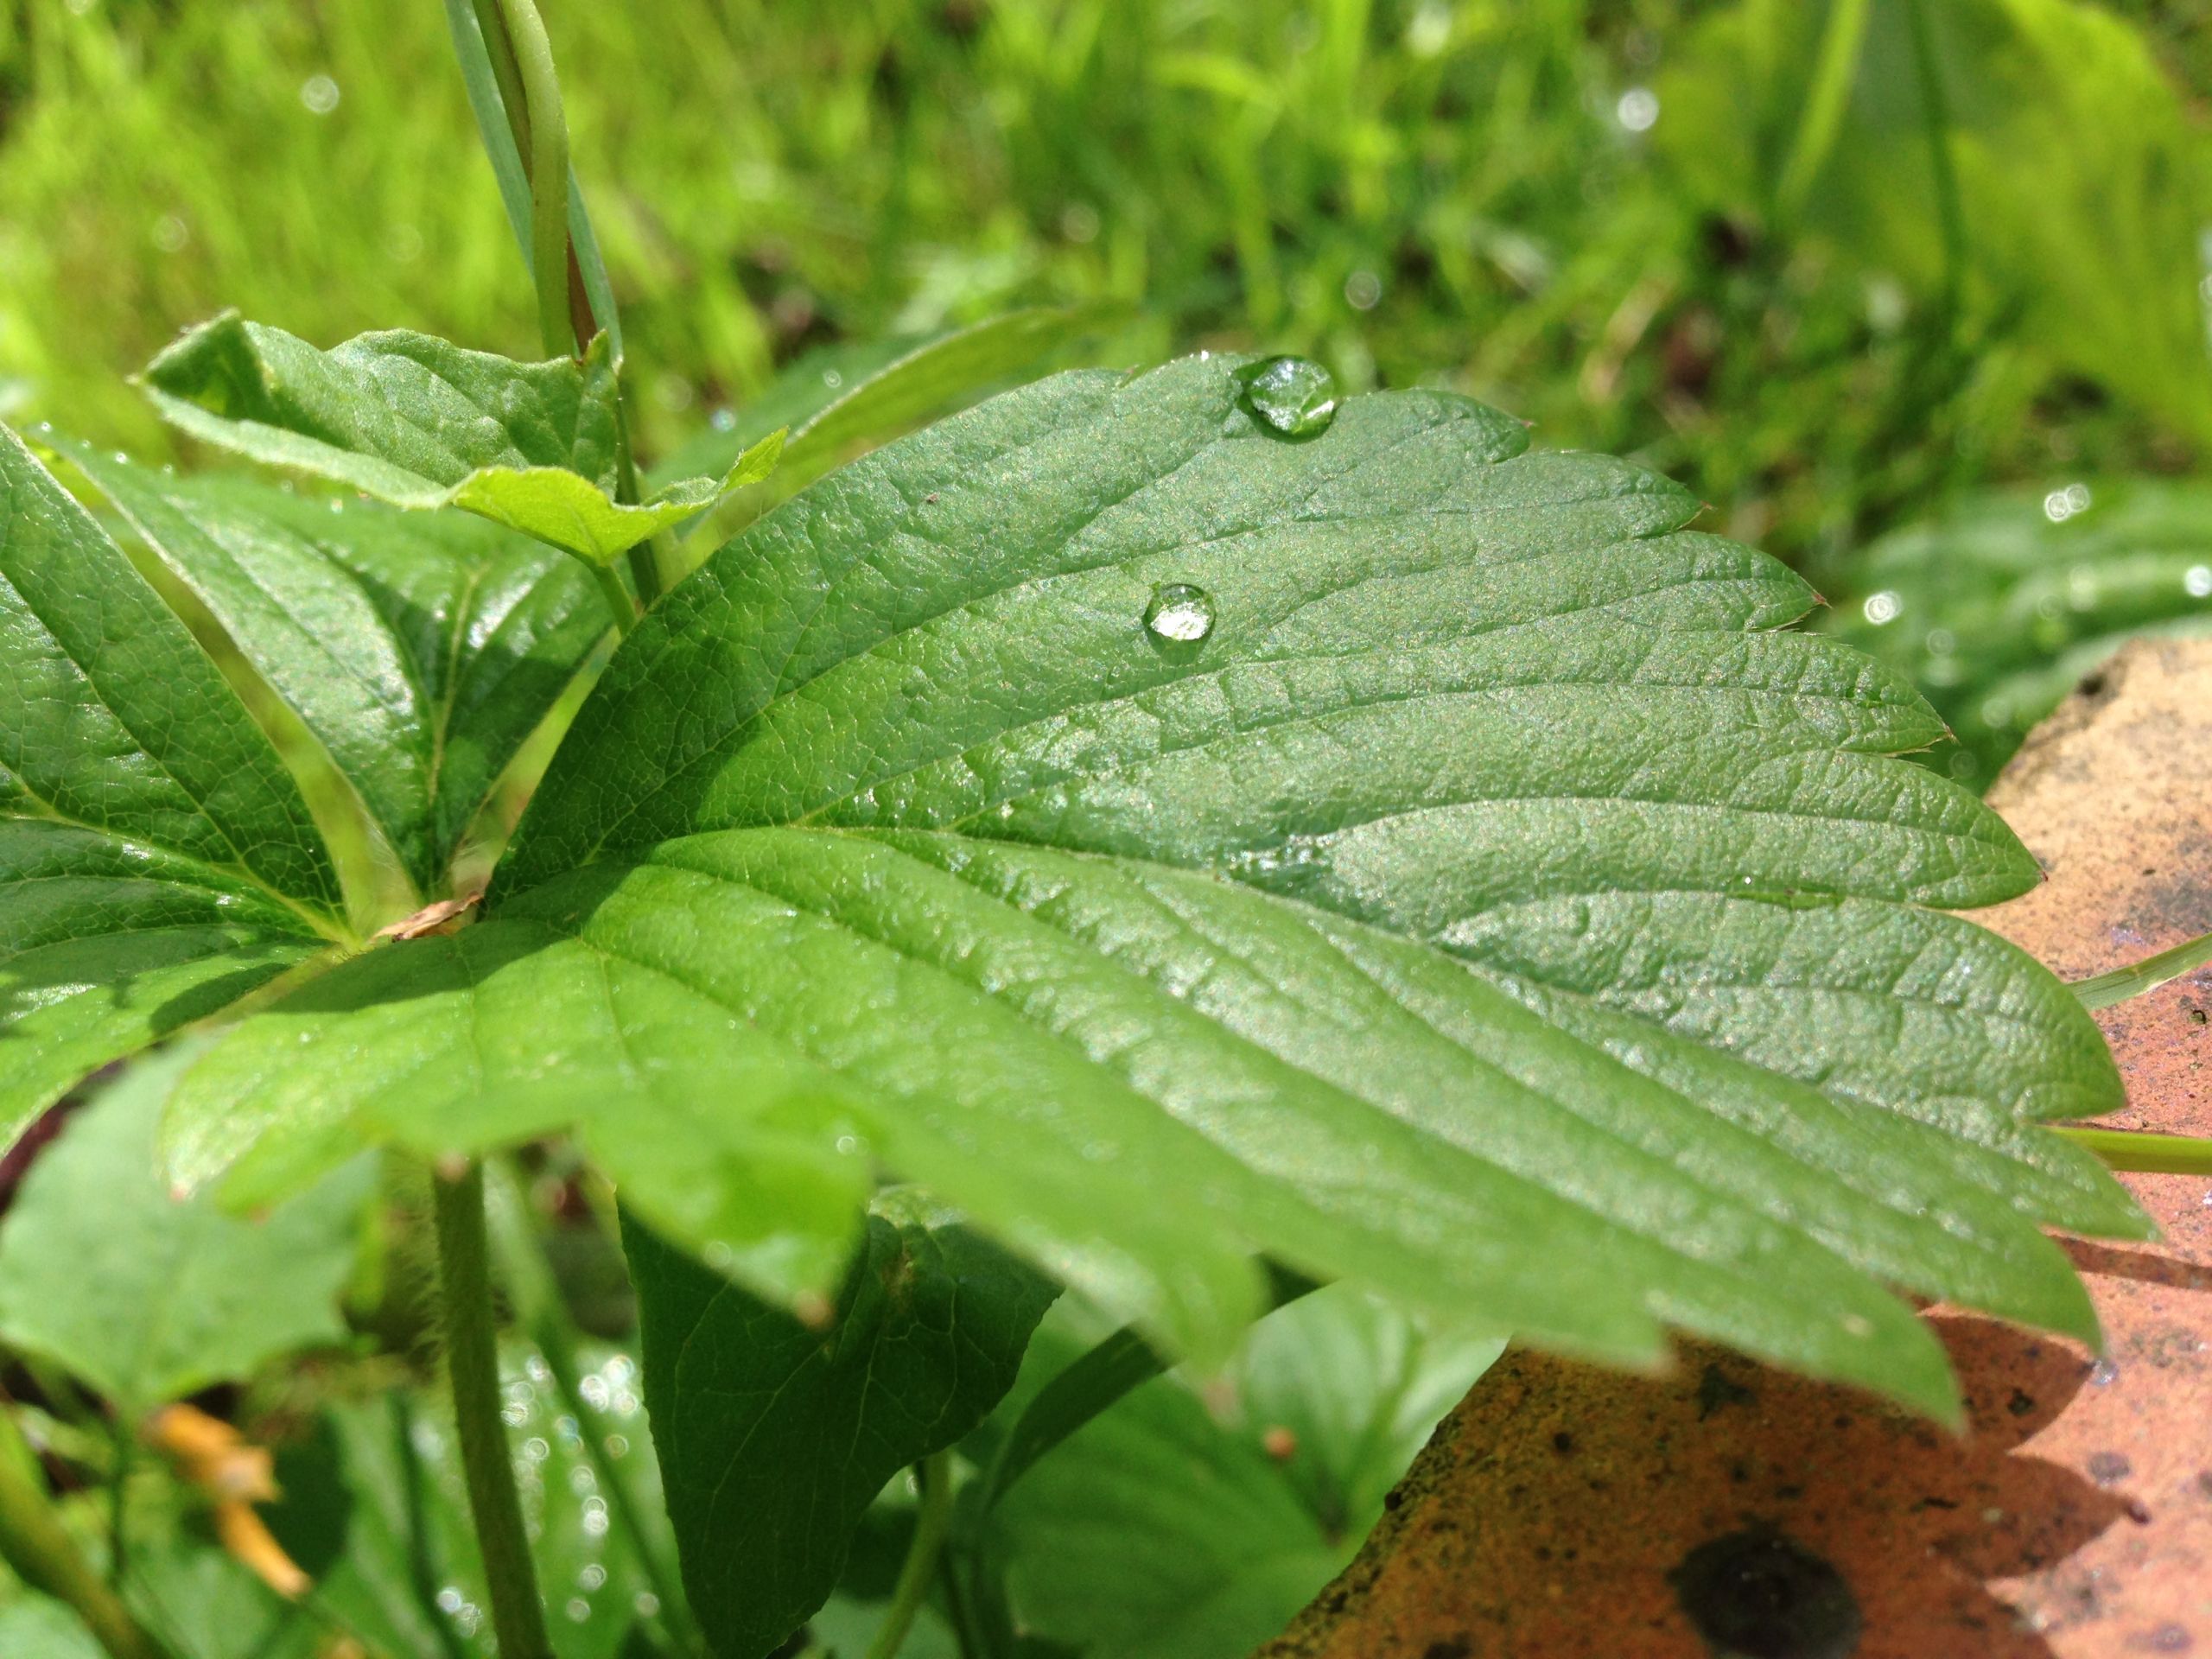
pixel 893 840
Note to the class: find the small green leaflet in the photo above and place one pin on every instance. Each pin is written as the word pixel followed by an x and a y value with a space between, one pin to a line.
pixel 157 859
pixel 1487 906
pixel 776 1436
pixel 1160 1531
pixel 148 1297
pixel 421 649
pixel 422 423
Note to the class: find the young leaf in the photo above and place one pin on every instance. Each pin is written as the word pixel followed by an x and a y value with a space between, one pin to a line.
pixel 776 1436
pixel 158 859
pixel 422 423
pixel 148 1297
pixel 1091 809
pixel 1159 1532
pixel 420 650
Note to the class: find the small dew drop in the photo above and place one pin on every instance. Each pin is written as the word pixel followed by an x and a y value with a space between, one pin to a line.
pixel 1293 396
pixel 646 1603
pixel 578 1610
pixel 319 94
pixel 449 1599
pixel 1180 614
pixel 723 420
pixel 832 379
pixel 1882 608
pixel 592 1577
pixel 2196 581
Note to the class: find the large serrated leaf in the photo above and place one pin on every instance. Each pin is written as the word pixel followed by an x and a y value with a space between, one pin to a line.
pixel 422 423
pixel 420 650
pixel 776 1436
pixel 899 827
pixel 157 859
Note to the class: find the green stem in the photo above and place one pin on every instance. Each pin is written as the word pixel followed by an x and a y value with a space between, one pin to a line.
pixel 2146 1155
pixel 1935 119
pixel 34 1543
pixel 522 60
pixel 619 605
pixel 118 1508
pixel 920 1569
pixel 2147 975
pixel 1834 70
pixel 473 1361
pixel 422 1573
pixel 651 560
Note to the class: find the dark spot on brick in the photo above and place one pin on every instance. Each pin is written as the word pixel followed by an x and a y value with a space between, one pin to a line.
pixel 1758 1594
pixel 2138 1511
pixel 1391 1500
pixel 1562 1442
pixel 2106 1468
pixel 2168 1639
pixel 1457 1648
pixel 2021 1403
pixel 1716 1389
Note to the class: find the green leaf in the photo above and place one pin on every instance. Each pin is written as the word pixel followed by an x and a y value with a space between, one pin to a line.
pixel 38 1627
pixel 776 1436
pixel 158 859
pixel 1999 608
pixel 1160 1531
pixel 148 1297
pixel 1153 952
pixel 421 651
pixel 422 423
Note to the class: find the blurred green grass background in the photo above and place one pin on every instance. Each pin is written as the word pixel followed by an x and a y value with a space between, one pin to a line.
pixel 1642 224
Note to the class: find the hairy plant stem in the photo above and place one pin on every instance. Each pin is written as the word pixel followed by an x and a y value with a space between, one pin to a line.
pixel 918 1571
pixel 2146 1155
pixel 473 1362
pixel 34 1543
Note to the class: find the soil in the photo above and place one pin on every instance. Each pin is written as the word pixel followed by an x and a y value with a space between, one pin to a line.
pixel 1729 1509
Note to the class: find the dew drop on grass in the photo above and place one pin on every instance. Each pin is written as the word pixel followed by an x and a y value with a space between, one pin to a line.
pixel 1293 396
pixel 1180 614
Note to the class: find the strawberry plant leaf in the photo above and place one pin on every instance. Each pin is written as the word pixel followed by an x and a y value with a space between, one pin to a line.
pixel 1160 1531
pixel 1150 928
pixel 421 651
pixel 148 1297
pixel 422 423
pixel 157 858
pixel 776 1436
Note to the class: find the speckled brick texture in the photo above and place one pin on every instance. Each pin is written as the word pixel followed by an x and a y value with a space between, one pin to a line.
pixel 1566 1511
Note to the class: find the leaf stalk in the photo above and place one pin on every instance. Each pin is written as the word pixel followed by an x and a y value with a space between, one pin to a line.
pixel 2146 1155
pixel 473 1364
pixel 918 1571
pixel 34 1543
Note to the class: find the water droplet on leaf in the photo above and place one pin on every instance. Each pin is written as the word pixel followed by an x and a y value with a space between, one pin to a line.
pixel 1180 614
pixel 1293 396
